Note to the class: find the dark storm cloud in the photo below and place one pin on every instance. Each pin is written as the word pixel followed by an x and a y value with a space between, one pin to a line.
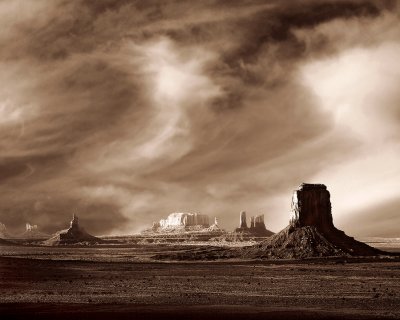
pixel 124 111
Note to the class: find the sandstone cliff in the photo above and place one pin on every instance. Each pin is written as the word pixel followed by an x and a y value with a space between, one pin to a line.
pixel 178 219
pixel 311 206
pixel 182 222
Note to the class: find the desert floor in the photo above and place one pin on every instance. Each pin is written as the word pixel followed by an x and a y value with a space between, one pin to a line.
pixel 111 283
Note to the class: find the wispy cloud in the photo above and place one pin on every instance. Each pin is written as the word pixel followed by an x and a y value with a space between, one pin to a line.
pixel 124 111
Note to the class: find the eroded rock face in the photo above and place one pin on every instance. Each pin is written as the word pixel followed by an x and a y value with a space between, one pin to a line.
pixel 215 227
pixel 30 227
pixel 181 219
pixel 257 225
pixel 243 220
pixel 311 232
pixel 182 222
pixel 311 206
pixel 258 221
pixel 74 224
pixel 74 234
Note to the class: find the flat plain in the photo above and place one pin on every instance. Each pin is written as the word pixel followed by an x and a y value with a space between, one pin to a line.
pixel 119 283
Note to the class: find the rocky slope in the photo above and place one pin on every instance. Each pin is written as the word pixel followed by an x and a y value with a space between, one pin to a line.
pixel 293 243
pixel 311 232
pixel 75 234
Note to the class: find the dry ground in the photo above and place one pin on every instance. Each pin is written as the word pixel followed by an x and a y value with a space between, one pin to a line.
pixel 52 286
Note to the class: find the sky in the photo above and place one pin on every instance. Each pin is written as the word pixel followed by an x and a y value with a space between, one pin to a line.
pixel 125 111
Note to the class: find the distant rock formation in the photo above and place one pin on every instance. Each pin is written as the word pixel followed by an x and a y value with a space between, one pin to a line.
pixel 215 227
pixel 243 220
pixel 73 235
pixel 3 231
pixel 4 235
pixel 180 222
pixel 257 225
pixel 311 232
pixel 29 227
pixel 33 232
pixel 185 219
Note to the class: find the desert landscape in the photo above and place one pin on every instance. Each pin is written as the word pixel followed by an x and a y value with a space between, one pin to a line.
pixel 208 159
pixel 48 288
pixel 295 274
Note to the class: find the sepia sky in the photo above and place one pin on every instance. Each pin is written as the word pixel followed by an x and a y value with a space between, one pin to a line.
pixel 126 111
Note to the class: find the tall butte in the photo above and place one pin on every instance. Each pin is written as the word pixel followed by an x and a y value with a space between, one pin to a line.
pixel 73 235
pixel 311 206
pixel 311 232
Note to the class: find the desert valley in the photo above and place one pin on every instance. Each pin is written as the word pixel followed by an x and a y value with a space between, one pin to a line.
pixel 184 266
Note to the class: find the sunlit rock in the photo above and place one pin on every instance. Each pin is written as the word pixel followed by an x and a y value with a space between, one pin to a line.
pixel 184 223
pixel 181 222
pixel 243 220
pixel 33 232
pixel 180 219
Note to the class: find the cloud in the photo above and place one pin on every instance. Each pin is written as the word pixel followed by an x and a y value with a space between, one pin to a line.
pixel 212 107
pixel 359 88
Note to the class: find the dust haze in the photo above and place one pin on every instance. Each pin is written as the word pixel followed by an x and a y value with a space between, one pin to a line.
pixel 125 111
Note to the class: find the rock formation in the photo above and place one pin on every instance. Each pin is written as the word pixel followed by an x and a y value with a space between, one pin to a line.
pixel 215 227
pixel 180 222
pixel 33 232
pixel 29 227
pixel 311 206
pixel 311 231
pixel 74 234
pixel 179 219
pixel 257 225
pixel 243 220
pixel 3 231
pixel 155 226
